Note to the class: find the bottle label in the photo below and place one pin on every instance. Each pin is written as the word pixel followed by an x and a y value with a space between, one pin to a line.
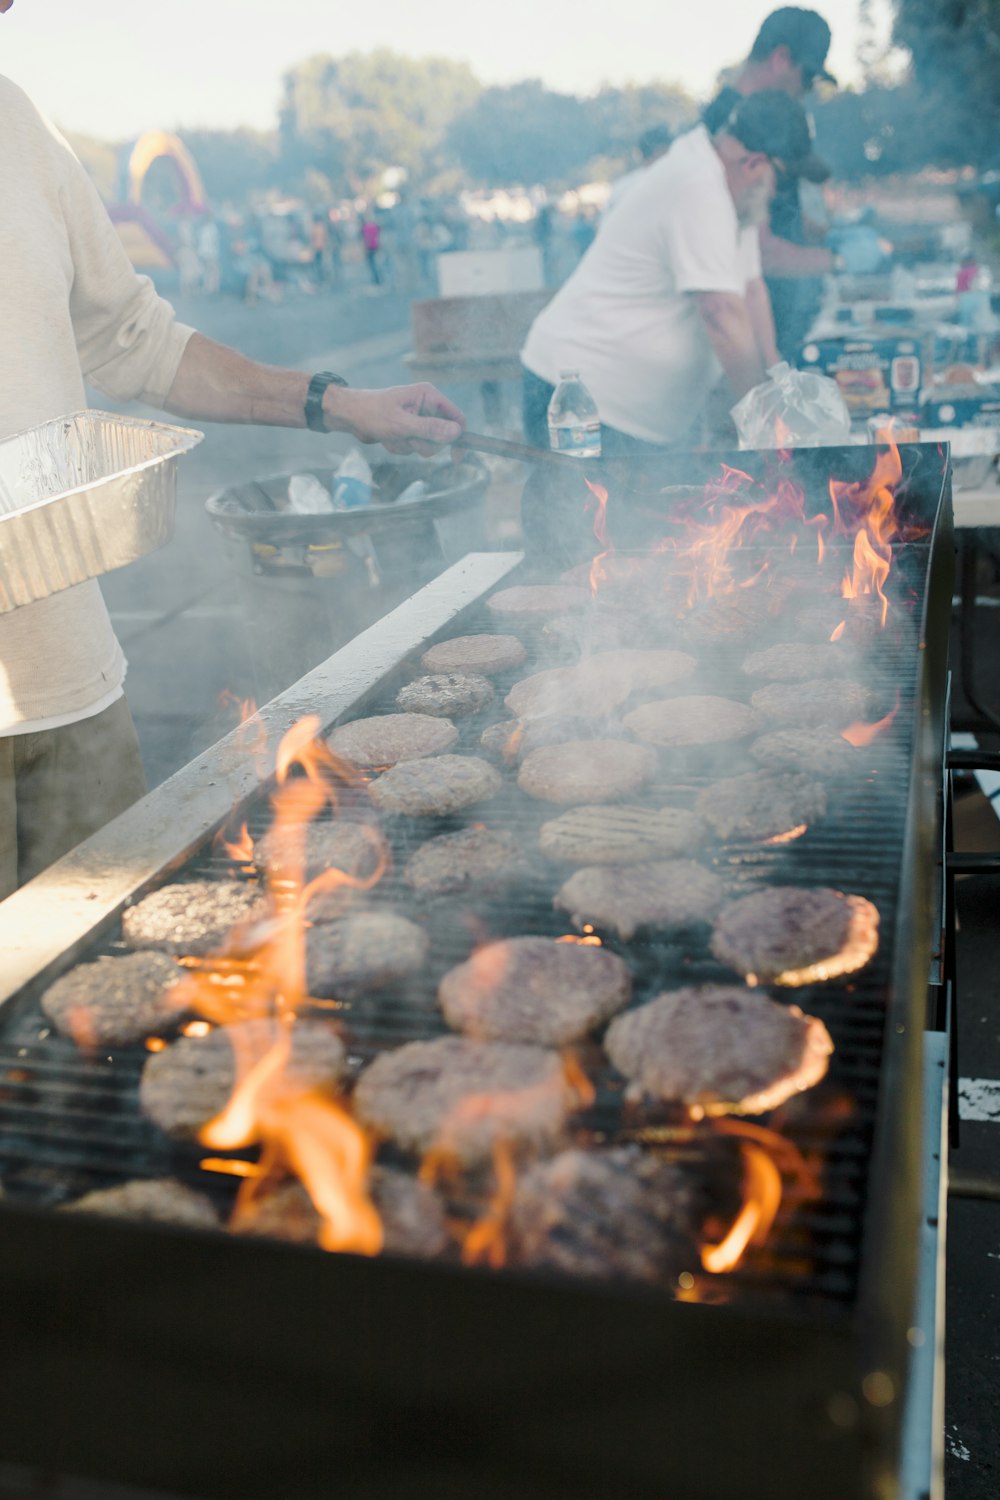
pixel 581 441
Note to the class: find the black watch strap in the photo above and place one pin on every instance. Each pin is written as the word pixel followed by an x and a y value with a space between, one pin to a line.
pixel 314 398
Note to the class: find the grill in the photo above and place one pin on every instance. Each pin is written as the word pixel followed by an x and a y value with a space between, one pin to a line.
pixel 397 1378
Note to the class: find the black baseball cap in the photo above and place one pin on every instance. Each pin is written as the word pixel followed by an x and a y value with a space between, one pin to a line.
pixel 804 33
pixel 774 123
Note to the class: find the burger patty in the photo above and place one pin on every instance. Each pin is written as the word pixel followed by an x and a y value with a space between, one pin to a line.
pixel 387 739
pixel 741 612
pixel 193 918
pixel 616 1213
pixel 539 599
pixel 190 1082
pixel 777 933
pixel 433 788
pixel 115 1001
pixel 513 739
pixel 719 1050
pixel 534 989
pixel 475 653
pixel 586 770
pixel 161 1200
pixel 622 898
pixel 761 804
pixel 471 860
pixel 809 704
pixel 355 848
pixel 797 661
pixel 443 694
pixel 696 720
pixel 464 1097
pixel 412 1215
pixel 821 751
pixel 620 835
pixel 364 950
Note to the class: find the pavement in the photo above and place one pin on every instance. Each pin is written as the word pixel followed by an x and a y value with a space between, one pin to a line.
pixel 189 630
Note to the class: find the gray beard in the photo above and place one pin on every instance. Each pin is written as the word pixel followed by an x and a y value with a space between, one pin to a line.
pixel 753 211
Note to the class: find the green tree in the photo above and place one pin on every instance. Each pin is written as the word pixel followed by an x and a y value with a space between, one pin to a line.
pixel 234 164
pixel 524 133
pixel 955 47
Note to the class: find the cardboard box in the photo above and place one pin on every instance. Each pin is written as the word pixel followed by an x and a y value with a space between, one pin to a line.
pixel 961 406
pixel 877 374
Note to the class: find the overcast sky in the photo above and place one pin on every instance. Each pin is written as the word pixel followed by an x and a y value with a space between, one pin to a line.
pixel 112 68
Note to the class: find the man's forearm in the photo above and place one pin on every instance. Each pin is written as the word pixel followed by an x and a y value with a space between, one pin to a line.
pixel 762 321
pixel 783 258
pixel 217 384
pixel 726 320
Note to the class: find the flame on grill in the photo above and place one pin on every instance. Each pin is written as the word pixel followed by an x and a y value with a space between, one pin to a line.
pixel 589 938
pixel 598 572
pixel 858 946
pixel 251 736
pixel 790 836
pixel 870 511
pixel 262 974
pixel 239 849
pixel 761 1201
pixel 860 734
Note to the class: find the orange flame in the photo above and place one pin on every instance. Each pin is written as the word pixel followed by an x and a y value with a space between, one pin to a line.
pixel 871 510
pixel 241 848
pixel 486 1241
pixel 598 573
pixel 787 838
pixel 861 734
pixel 838 631
pixel 761 1201
pixel 252 735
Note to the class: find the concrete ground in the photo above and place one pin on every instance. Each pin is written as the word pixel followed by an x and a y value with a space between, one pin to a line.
pixel 189 635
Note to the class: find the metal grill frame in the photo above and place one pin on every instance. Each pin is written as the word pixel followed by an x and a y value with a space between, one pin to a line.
pixel 158 1357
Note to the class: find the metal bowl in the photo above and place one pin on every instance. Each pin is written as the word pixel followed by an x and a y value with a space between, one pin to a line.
pixel 82 495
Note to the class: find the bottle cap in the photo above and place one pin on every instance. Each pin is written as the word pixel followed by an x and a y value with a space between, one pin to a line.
pixel 569 374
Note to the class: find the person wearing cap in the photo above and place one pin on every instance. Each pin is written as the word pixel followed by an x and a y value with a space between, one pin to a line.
pixel 73 309
pixel 652 143
pixel 669 297
pixel 789 53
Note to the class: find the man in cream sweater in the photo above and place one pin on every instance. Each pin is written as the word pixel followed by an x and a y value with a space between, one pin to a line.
pixel 73 308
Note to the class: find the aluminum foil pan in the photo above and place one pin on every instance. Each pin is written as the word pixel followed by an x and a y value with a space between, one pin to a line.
pixel 82 495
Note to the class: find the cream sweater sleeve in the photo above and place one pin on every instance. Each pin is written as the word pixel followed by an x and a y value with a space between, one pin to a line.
pixel 128 339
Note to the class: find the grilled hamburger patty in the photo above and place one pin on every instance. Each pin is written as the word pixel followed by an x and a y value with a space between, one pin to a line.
pixel 161 1200
pixel 622 898
pixel 465 1096
pixel 356 848
pixel 808 704
pixel 586 770
pixel 189 1082
pixel 797 661
pixel 443 694
pixel 115 1001
pixel 432 788
pixel 539 599
pixel 782 930
pixel 412 1215
pixel 386 739
pixel 821 751
pixel 364 950
pixel 620 835
pixel 534 989
pixel 473 859
pixel 718 1050
pixel 195 917
pixel 617 1213
pixel 761 804
pixel 475 653
pixel 698 720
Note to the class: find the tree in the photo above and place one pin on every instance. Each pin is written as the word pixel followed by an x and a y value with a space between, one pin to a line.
pixel 955 46
pixel 524 133
pixel 234 164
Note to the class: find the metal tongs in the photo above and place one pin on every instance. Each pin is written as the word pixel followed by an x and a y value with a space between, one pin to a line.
pixel 479 442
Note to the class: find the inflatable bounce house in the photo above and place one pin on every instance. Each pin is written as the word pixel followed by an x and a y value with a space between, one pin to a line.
pixel 147 230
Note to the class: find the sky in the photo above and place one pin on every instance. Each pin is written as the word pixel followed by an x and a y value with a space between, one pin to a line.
pixel 112 68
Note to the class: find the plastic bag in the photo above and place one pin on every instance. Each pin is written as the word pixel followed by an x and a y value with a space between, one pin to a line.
pixel 307 497
pixel 792 409
pixel 352 483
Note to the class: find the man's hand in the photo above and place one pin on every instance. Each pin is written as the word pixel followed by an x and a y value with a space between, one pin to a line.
pixel 403 418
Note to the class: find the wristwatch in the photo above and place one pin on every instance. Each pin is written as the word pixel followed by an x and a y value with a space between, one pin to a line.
pixel 314 398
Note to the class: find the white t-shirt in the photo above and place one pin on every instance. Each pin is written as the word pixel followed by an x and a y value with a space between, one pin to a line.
pixel 624 319
pixel 71 306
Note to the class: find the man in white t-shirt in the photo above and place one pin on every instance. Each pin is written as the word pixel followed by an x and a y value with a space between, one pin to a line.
pixel 670 297
pixel 72 308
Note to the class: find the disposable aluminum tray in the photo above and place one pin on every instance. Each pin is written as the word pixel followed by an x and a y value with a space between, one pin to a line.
pixel 82 495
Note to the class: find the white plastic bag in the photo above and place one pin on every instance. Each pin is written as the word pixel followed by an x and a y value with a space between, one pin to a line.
pixel 307 497
pixel 792 409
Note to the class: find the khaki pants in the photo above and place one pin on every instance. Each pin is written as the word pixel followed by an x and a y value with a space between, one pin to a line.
pixel 59 786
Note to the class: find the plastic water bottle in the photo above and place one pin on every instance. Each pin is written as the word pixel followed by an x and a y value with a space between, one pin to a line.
pixel 574 422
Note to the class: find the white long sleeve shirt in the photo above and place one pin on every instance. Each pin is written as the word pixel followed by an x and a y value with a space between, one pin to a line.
pixel 71 307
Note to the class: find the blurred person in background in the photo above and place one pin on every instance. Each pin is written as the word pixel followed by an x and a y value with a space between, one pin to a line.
pixel 652 144
pixel 371 239
pixel 209 255
pixel 670 296
pixel 72 308
pixel 789 53
pixel 319 245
